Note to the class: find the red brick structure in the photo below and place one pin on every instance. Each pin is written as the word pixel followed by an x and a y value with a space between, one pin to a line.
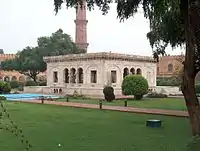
pixel 13 75
pixel 81 27
pixel 9 75
pixel 169 66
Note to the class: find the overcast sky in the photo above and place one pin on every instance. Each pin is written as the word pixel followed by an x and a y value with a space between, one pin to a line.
pixel 23 21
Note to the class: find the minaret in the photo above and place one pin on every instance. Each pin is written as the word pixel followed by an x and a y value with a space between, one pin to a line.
pixel 81 27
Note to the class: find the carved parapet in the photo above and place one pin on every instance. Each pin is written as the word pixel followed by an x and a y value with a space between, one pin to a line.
pixel 99 56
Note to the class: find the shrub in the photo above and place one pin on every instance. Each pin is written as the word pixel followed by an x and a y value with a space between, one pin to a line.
pixel 31 83
pixel 5 87
pixel 3 98
pixel 135 85
pixel 15 84
pixel 156 95
pixel 168 81
pixel 197 88
pixel 108 92
pixel 42 83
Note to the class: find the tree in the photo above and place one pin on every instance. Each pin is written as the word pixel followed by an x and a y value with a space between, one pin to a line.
pixel 174 22
pixel 1 51
pixel 30 60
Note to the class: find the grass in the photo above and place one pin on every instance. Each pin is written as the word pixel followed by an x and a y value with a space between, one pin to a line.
pixel 46 126
pixel 163 103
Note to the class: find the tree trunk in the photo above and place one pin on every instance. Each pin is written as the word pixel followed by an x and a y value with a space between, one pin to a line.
pixel 188 84
pixel 35 79
pixel 192 103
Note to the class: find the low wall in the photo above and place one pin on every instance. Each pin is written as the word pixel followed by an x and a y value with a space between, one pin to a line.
pixel 169 90
pixel 92 92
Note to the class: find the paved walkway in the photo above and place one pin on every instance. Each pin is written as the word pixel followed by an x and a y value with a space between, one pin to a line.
pixel 115 108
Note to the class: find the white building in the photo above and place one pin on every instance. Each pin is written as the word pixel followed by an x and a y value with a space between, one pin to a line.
pixel 87 74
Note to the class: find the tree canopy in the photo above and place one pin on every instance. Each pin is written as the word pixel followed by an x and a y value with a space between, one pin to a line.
pixel 30 62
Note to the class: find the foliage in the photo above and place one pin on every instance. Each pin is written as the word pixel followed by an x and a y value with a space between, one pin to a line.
pixel 42 83
pixel 4 87
pixel 168 81
pixel 156 95
pixel 3 98
pixel 197 88
pixel 31 83
pixel 15 84
pixel 108 92
pixel 1 51
pixel 135 85
pixel 30 62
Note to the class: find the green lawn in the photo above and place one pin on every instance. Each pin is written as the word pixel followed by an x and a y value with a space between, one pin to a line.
pixel 46 126
pixel 164 103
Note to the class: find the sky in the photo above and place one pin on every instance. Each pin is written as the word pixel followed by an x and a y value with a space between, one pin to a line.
pixel 23 21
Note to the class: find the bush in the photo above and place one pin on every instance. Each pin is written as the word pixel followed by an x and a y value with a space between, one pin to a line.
pixel 135 85
pixel 15 84
pixel 168 81
pixel 197 88
pixel 156 95
pixel 5 87
pixel 31 83
pixel 108 92
pixel 42 83
pixel 3 98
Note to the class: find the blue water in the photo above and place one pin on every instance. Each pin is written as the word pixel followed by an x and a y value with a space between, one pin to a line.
pixel 27 96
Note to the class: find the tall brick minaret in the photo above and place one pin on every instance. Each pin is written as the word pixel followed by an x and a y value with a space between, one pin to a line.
pixel 81 27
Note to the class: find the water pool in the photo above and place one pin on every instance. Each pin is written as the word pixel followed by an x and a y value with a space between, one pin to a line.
pixel 27 96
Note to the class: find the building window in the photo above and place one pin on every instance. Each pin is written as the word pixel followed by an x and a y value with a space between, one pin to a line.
pixel 80 75
pixel 170 68
pixel 139 71
pixel 132 71
pixel 55 76
pixel 66 75
pixel 6 78
pixel 125 72
pixel 93 76
pixel 73 75
pixel 114 76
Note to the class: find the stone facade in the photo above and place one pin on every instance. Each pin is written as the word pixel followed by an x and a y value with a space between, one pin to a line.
pixel 87 74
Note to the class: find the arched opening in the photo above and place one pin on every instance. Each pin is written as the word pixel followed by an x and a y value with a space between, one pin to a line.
pixel 14 78
pixel 55 76
pixel 66 75
pixel 21 78
pixel 80 75
pixel 139 71
pixel 170 68
pixel 6 78
pixel 73 75
pixel 125 72
pixel 132 71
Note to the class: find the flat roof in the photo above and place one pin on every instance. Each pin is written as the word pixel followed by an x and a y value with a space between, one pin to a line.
pixel 98 56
